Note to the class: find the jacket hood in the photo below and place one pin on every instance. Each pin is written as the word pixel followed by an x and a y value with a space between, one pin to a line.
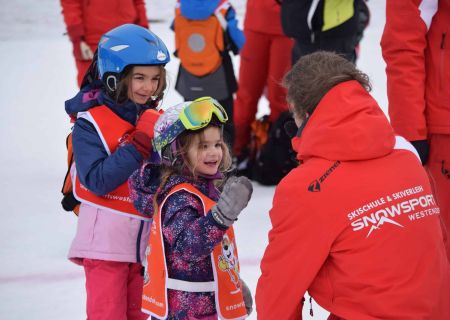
pixel 347 125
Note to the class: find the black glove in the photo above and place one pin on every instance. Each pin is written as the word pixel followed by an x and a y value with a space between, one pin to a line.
pixel 423 149
pixel 233 199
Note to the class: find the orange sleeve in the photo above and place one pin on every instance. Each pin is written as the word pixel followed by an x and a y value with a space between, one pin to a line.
pixel 296 251
pixel 403 46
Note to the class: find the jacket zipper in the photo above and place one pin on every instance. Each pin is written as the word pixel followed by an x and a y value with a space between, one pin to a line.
pixel 138 243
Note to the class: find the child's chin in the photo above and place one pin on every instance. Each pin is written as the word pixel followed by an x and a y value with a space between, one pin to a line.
pixel 211 171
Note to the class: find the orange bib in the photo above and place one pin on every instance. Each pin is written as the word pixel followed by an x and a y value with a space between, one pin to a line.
pixel 112 131
pixel 224 258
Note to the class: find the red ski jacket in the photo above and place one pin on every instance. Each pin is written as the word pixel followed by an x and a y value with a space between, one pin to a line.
pixel 356 223
pixel 416 48
pixel 263 16
pixel 92 18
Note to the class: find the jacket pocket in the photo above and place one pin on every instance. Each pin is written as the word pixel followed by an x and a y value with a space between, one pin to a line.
pixel 87 220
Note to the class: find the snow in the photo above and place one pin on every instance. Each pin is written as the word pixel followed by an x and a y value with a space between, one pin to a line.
pixel 36 279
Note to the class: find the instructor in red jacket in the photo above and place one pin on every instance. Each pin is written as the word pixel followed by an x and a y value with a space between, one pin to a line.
pixel 88 20
pixel 416 48
pixel 356 223
pixel 265 58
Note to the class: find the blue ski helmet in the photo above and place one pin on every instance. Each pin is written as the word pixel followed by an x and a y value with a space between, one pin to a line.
pixel 126 45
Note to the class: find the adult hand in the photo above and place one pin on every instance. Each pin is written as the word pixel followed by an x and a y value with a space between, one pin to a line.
pixel 85 51
pixel 233 199
pixel 76 35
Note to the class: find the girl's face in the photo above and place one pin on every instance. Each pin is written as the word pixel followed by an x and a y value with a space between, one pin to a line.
pixel 205 152
pixel 143 83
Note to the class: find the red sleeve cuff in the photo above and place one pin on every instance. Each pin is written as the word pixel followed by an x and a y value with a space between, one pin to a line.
pixel 76 32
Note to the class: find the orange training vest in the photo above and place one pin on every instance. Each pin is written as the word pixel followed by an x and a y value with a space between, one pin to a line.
pixel 112 131
pixel 224 258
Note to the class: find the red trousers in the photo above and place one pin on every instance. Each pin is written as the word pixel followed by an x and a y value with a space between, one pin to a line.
pixel 265 58
pixel 114 290
pixel 438 166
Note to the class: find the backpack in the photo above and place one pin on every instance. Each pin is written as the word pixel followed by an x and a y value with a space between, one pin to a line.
pixel 69 202
pixel 199 43
pixel 270 153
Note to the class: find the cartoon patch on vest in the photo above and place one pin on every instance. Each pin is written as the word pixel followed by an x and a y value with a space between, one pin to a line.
pixel 229 263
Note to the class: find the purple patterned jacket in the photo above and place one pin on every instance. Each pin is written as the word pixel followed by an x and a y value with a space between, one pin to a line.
pixel 189 237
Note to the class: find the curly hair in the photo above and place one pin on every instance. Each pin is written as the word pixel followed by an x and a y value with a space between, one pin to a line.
pixel 314 75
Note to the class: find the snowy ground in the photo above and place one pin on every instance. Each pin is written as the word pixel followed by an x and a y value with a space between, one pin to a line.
pixel 38 74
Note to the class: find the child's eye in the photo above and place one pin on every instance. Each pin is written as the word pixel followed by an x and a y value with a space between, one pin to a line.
pixel 218 145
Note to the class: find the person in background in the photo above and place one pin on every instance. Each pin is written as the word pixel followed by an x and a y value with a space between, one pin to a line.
pixel 329 25
pixel 111 137
pixel 87 20
pixel 416 48
pixel 192 262
pixel 356 223
pixel 206 31
pixel 265 58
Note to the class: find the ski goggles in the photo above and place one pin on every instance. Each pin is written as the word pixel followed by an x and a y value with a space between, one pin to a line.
pixel 198 113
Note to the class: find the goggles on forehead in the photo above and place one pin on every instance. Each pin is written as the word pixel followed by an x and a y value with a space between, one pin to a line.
pixel 194 116
pixel 198 113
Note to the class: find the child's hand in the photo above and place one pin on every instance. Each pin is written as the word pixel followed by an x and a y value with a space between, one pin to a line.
pixel 143 134
pixel 234 198
pixel 248 300
pixel 146 122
